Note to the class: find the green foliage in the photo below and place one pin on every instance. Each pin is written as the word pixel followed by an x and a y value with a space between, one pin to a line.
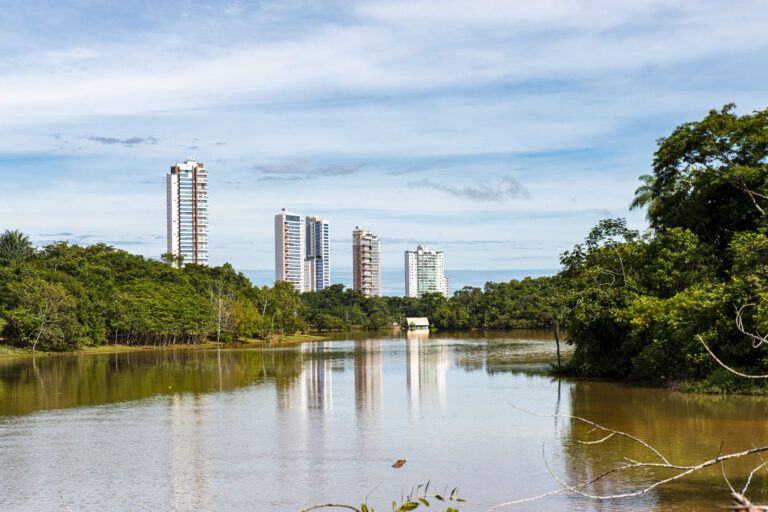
pixel 516 304
pixel 14 246
pixel 41 312
pixel 710 177
pixel 66 296
pixel 635 305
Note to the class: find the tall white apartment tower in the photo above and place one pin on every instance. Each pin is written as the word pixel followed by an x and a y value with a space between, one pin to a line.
pixel 366 262
pixel 317 262
pixel 289 249
pixel 187 197
pixel 424 272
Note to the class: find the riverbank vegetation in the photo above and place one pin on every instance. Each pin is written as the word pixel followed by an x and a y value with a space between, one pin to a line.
pixel 65 297
pixel 525 304
pixel 636 304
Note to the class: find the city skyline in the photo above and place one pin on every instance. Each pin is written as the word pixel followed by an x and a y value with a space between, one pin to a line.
pixel 502 136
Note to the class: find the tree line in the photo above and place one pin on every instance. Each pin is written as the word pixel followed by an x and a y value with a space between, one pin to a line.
pixel 516 304
pixel 65 296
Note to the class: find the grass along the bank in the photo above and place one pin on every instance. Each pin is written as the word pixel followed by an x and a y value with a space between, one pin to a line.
pixel 14 351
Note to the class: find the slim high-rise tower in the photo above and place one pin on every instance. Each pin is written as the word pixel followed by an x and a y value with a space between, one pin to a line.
pixel 317 263
pixel 366 263
pixel 187 203
pixel 424 272
pixel 289 249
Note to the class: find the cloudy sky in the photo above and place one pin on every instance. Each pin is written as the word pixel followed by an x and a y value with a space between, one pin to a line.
pixel 499 131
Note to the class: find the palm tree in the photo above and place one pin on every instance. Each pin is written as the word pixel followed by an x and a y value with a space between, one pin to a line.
pixel 14 246
pixel 644 194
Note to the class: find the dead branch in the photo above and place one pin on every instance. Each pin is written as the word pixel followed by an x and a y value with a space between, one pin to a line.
pixel 757 340
pixel 330 505
pixel 681 470
pixel 742 503
pixel 728 367
pixel 598 427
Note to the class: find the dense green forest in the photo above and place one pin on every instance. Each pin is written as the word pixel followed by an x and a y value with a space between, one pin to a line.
pixel 516 304
pixel 635 304
pixel 63 296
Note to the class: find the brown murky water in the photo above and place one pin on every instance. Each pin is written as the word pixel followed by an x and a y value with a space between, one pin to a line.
pixel 280 428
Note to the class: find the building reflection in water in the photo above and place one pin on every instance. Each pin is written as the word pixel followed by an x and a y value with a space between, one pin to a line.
pixel 427 363
pixel 188 453
pixel 369 391
pixel 313 387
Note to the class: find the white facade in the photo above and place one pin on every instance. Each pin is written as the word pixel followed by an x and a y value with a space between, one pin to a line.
pixel 289 249
pixel 366 263
pixel 424 272
pixel 187 210
pixel 317 263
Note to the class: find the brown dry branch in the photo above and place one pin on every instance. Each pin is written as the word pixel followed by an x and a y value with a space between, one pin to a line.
pixel 681 469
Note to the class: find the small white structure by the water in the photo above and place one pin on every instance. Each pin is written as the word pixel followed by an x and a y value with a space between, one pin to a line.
pixel 418 323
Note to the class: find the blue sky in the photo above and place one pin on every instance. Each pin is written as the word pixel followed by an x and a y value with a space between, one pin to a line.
pixel 498 131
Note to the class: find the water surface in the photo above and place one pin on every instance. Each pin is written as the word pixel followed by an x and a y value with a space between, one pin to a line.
pixel 282 427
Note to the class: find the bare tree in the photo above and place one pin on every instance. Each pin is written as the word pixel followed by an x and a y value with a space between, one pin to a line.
pixel 221 300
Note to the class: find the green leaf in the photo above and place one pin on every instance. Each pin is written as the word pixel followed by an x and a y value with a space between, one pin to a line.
pixel 439 497
pixel 408 506
pixel 425 502
pixel 363 507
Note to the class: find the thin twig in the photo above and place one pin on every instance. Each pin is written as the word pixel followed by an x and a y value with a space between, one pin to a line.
pixel 327 505
pixel 722 468
pixel 751 474
pixel 599 440
pixel 757 339
pixel 600 427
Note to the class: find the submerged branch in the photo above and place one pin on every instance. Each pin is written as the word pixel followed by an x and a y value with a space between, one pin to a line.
pixel 681 470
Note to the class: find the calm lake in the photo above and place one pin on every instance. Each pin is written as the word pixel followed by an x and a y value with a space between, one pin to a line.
pixel 280 428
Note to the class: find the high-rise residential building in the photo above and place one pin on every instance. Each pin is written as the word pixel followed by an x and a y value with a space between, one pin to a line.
pixel 289 249
pixel 187 197
pixel 317 262
pixel 424 272
pixel 366 262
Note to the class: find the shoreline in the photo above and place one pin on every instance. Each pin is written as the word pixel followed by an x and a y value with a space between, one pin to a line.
pixel 11 351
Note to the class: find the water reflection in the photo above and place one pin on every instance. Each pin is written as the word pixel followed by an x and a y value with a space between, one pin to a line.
pixel 313 386
pixel 686 429
pixel 369 390
pixel 30 384
pixel 427 363
pixel 281 427
pixel 188 452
